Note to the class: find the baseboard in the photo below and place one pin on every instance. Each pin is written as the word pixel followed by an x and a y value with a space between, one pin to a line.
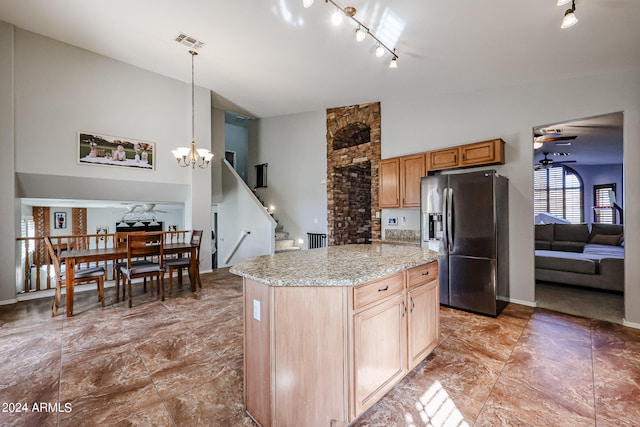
pixel 522 302
pixel 630 324
pixel 9 301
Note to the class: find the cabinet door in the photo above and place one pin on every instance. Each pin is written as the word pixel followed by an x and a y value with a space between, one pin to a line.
pixel 412 169
pixel 389 177
pixel 443 159
pixel 379 353
pixel 423 321
pixel 482 153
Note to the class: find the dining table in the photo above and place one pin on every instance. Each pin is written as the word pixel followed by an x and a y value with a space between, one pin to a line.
pixel 74 257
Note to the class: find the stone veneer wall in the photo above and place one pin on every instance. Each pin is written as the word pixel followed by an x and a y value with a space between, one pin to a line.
pixel 348 206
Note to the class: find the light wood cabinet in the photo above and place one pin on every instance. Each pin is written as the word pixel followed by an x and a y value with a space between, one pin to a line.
pixel 379 350
pixel 389 183
pixel 399 179
pixel 483 153
pixel 322 355
pixel 423 320
pixel 412 168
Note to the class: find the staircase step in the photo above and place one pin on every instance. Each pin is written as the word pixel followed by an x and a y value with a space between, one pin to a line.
pixel 288 249
pixel 282 235
pixel 283 244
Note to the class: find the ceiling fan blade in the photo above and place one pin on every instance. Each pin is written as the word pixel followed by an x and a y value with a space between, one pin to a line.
pixel 558 138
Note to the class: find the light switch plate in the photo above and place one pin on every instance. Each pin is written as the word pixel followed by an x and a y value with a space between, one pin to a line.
pixel 256 310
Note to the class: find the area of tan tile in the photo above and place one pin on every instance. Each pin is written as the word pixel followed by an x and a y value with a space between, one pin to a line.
pixel 180 363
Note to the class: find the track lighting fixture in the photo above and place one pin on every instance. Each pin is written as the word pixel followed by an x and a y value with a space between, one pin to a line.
pixel 569 19
pixel 361 31
pixel 560 2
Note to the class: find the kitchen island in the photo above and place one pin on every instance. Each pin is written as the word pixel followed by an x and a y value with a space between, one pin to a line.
pixel 328 331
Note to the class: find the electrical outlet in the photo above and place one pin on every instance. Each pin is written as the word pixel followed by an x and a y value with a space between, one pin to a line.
pixel 256 310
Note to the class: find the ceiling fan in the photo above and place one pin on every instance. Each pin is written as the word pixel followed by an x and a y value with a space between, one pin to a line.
pixel 540 136
pixel 546 162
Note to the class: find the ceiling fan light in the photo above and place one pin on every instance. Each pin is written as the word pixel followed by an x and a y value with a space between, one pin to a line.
pixel 307 3
pixel 537 144
pixel 569 19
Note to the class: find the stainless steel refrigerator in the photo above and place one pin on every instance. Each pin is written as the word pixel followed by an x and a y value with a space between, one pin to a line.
pixel 466 217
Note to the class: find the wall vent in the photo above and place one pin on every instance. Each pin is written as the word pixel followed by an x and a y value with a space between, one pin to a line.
pixel 189 41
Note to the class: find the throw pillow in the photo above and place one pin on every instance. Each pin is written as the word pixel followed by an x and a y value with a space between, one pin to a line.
pixel 607 239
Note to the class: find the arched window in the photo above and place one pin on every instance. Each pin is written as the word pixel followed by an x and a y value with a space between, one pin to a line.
pixel 559 191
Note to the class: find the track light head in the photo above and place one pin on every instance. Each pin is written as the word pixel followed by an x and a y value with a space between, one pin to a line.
pixel 379 51
pixel 562 2
pixel 307 3
pixel 336 18
pixel 393 63
pixel 360 34
pixel 569 19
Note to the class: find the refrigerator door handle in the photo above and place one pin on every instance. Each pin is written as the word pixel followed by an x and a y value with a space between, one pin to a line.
pixel 445 225
pixel 450 219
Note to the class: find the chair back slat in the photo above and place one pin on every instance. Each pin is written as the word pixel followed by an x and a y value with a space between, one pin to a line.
pixel 145 244
pixel 196 238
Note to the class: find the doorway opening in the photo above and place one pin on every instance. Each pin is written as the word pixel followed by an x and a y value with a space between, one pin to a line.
pixel 578 214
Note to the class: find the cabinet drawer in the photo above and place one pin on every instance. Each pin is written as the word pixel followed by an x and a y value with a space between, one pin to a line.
pixel 371 292
pixel 423 274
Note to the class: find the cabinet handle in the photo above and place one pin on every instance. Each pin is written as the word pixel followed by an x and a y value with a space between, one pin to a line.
pixel 425 273
pixel 455 158
pixel 386 288
pixel 413 304
pixel 404 308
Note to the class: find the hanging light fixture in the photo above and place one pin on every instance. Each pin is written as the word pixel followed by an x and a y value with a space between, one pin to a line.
pixel 361 31
pixel 569 19
pixel 192 156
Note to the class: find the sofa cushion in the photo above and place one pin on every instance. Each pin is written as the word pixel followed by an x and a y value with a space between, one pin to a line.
pixel 544 232
pixel 552 260
pixel 606 229
pixel 571 232
pixel 541 244
pixel 567 246
pixel 606 239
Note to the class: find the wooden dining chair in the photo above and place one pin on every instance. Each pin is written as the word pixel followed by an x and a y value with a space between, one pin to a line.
pixel 185 262
pixel 120 241
pixel 82 275
pixel 149 246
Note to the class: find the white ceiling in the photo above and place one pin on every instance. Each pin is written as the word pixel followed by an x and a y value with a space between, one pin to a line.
pixel 274 57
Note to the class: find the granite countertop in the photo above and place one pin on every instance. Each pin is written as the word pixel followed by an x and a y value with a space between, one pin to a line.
pixel 398 241
pixel 343 265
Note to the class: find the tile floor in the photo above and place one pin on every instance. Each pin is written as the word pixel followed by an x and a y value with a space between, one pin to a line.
pixel 180 363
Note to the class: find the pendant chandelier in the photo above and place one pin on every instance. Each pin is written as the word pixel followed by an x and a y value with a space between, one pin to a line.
pixel 192 156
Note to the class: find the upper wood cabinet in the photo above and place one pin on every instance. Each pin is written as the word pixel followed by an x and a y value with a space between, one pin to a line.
pixel 412 168
pixel 483 153
pixel 400 181
pixel 389 183
pixel 443 159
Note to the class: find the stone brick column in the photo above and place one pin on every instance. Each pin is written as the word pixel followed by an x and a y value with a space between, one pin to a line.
pixel 353 155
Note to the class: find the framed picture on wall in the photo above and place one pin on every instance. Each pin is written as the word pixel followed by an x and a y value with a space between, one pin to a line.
pixel 102 229
pixel 105 150
pixel 60 219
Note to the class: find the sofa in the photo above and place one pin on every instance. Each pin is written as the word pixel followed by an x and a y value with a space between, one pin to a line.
pixel 576 254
